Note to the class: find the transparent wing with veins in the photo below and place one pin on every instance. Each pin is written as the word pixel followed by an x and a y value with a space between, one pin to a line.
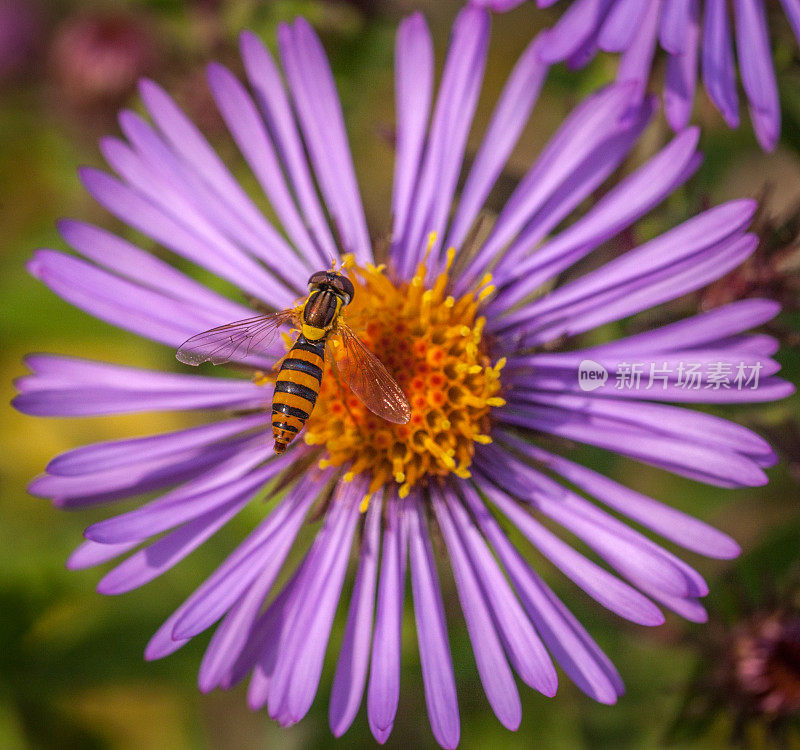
pixel 363 372
pixel 235 340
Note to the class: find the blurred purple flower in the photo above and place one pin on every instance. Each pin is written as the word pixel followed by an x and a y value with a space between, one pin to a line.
pixel 98 57
pixel 173 188
pixel 688 31
pixel 19 30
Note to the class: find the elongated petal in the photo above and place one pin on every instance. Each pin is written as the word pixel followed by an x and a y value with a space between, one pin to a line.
pixel 572 647
pixel 299 663
pixel 351 670
pixel 413 91
pixel 271 97
pixel 668 522
pixel 113 454
pixel 205 492
pixel 719 67
pixel 594 580
pixel 182 192
pixel 452 116
pixel 146 476
pixel 434 651
pixel 495 674
pixel 589 124
pixel 634 67
pixel 681 82
pixel 250 133
pixel 518 98
pixel 578 24
pixel 618 209
pixel 155 559
pixel 383 691
pixel 525 650
pixel 674 25
pixel 320 116
pixel 132 263
pixel 621 24
pixel 757 71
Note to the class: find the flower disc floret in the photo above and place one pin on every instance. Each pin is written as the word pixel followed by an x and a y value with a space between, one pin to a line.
pixel 433 345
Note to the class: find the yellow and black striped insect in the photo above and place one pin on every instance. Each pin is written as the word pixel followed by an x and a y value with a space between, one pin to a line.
pixel 300 376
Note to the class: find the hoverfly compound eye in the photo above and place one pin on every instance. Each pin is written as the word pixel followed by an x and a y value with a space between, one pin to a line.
pixel 317 280
pixel 344 287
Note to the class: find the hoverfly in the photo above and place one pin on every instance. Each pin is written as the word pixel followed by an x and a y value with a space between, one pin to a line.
pixel 300 376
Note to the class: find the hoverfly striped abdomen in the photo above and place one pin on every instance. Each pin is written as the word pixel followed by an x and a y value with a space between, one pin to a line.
pixel 296 389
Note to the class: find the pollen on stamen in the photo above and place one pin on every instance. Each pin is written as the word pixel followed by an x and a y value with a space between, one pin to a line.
pixel 432 343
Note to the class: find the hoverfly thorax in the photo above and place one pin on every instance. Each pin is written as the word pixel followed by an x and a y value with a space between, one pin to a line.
pixel 329 292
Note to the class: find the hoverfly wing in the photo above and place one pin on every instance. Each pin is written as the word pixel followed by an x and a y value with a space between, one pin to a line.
pixel 235 340
pixel 370 380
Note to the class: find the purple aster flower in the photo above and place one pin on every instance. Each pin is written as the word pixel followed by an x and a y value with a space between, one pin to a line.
pixel 468 335
pixel 691 33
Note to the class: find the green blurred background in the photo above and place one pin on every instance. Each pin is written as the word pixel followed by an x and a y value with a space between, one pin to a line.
pixel 71 667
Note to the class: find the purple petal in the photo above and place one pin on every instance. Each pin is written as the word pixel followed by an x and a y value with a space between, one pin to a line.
pixel 513 109
pixel 272 99
pixel 250 133
pixel 116 453
pixel 267 545
pixel 637 59
pixel 320 115
pixel 691 425
pixel 576 188
pixel 154 560
pixel 198 156
pixel 577 25
pixel 622 22
pixel 574 649
pixel 212 488
pixel 677 262
pixel 594 580
pixel 74 387
pixel 670 523
pixel 434 649
pixel 452 116
pixel 699 331
pixel 616 210
pixel 90 553
pixel 261 650
pixel 234 635
pixel 591 123
pixel 634 556
pixel 143 268
pixel 201 244
pixel 681 81
pixel 181 191
pixel 674 25
pixel 720 468
pixel 792 8
pixel 413 91
pixel 383 691
pixel 495 674
pixel 719 67
pixel 305 638
pixel 117 301
pixel 351 670
pixel 147 476
pixel 526 652
pixel 757 71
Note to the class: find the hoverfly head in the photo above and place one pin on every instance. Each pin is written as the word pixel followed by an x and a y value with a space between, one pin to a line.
pixel 336 282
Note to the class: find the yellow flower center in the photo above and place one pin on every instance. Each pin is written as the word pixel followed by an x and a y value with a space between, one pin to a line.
pixel 433 346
